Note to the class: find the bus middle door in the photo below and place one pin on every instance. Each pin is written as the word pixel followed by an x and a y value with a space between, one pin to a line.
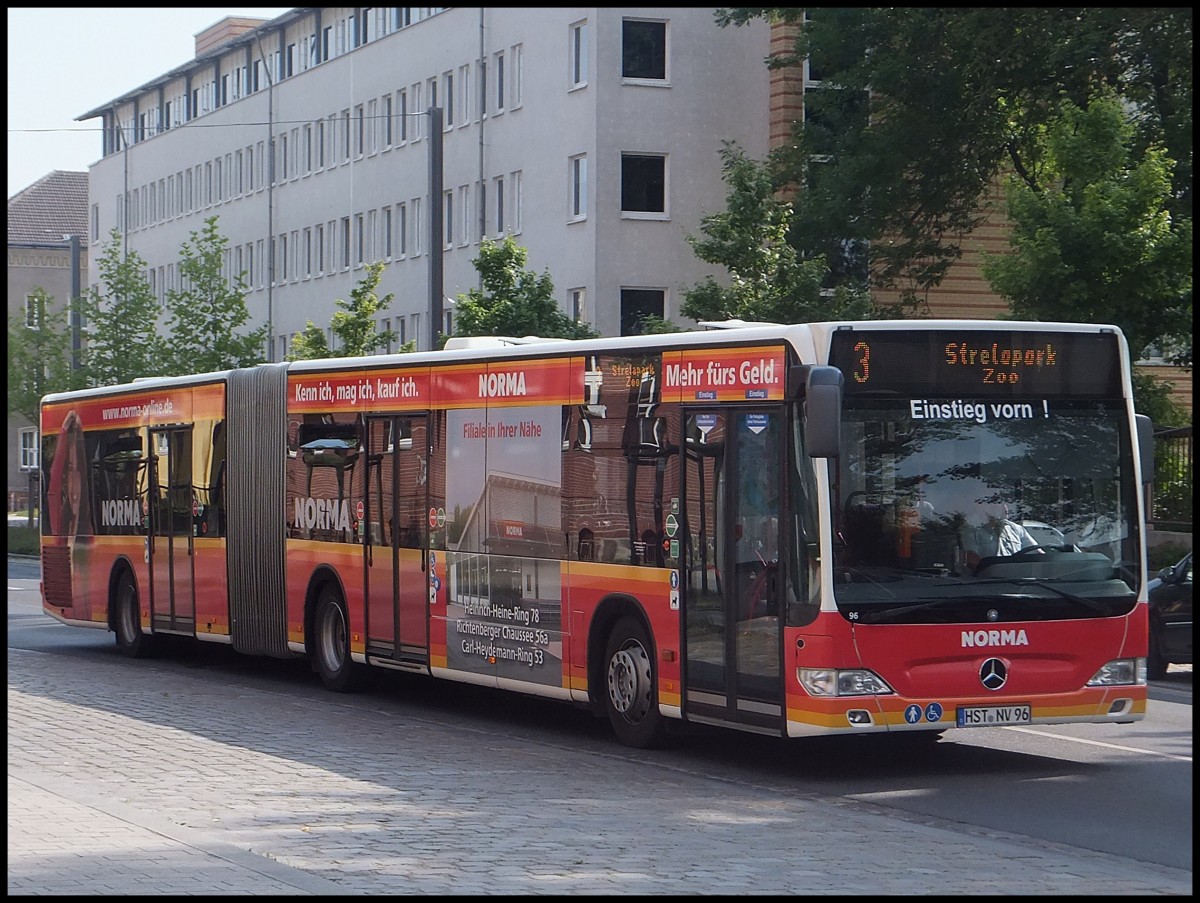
pixel 172 519
pixel 394 538
pixel 733 468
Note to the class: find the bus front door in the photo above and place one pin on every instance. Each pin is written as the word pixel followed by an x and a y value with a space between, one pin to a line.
pixel 394 539
pixel 172 521
pixel 732 472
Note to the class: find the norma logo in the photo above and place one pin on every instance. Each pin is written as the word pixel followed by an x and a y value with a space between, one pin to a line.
pixel 979 639
pixel 502 385
pixel 322 514
pixel 512 529
pixel 120 513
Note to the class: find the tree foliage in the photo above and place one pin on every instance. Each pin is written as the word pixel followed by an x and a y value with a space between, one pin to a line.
pixel 39 358
pixel 121 317
pixel 512 301
pixel 768 279
pixel 309 344
pixel 1095 240
pixel 207 312
pixel 957 97
pixel 355 323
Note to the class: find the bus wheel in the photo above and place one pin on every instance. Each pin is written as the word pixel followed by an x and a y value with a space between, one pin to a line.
pixel 332 648
pixel 631 698
pixel 128 627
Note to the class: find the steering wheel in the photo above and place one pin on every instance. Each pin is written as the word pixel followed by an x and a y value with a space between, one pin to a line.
pixel 1030 549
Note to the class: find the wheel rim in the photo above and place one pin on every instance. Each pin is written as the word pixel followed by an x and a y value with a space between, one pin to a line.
pixel 333 638
pixel 629 681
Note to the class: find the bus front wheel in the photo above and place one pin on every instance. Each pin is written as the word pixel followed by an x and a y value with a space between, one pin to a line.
pixel 332 644
pixel 631 697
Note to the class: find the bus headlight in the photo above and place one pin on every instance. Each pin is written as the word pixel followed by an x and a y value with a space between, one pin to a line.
pixel 832 682
pixel 1121 672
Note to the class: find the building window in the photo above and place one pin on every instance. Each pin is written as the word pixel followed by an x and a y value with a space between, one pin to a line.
pixel 448 222
pixel 448 94
pixel 29 448
pixel 644 49
pixel 308 261
pixel 416 226
pixel 387 233
pixel 515 78
pixel 320 250
pixel 33 311
pixel 578 299
pixel 578 55
pixel 345 136
pixel 464 94
pixel 402 115
pixel 360 239
pixel 515 218
pixel 498 70
pixel 358 131
pixel 401 230
pixel 345 242
pixel 499 205
pixel 464 199
pixel 283 257
pixel 387 120
pixel 578 175
pixel 643 183
pixel 637 304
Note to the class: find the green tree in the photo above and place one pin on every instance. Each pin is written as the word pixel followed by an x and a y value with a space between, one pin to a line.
pixel 1095 240
pixel 309 344
pixel 39 357
pixel 355 323
pixel 206 314
pixel 921 109
pixel 513 301
pixel 121 315
pixel 769 281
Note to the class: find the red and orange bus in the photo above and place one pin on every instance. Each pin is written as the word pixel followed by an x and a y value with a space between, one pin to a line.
pixel 771 528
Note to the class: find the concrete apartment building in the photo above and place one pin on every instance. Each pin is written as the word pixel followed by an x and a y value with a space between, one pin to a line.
pixel 591 135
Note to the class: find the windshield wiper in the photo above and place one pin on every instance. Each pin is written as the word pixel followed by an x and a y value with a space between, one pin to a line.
pixel 1082 601
pixel 873 617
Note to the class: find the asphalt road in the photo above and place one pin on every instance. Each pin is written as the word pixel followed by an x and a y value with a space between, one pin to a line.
pixel 209 772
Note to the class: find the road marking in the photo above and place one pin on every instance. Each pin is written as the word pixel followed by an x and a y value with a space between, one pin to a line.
pixel 1133 749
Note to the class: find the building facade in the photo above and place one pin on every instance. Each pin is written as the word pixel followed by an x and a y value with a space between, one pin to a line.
pixel 47 249
pixel 590 135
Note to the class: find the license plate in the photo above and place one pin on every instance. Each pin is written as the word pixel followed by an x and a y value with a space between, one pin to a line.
pixel 992 715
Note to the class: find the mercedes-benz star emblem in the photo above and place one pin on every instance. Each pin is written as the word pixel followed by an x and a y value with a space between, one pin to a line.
pixel 993 674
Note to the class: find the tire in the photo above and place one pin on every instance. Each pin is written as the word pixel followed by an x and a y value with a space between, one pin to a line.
pixel 127 623
pixel 1156 663
pixel 631 686
pixel 331 649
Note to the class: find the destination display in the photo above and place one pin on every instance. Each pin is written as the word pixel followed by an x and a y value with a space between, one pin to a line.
pixel 1005 363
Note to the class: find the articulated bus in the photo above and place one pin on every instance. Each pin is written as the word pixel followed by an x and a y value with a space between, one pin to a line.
pixel 780 529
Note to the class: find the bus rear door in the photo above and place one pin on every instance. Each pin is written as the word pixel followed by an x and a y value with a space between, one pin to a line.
pixel 732 480
pixel 394 538
pixel 172 519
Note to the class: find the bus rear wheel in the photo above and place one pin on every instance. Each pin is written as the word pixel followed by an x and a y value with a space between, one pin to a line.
pixel 631 695
pixel 332 644
pixel 128 620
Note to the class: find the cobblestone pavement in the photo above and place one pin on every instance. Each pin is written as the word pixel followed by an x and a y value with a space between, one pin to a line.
pixel 181 784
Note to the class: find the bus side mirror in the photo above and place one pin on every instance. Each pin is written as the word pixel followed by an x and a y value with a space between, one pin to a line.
pixel 823 412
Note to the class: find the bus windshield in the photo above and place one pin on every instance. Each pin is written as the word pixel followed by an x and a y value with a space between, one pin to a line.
pixel 945 514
